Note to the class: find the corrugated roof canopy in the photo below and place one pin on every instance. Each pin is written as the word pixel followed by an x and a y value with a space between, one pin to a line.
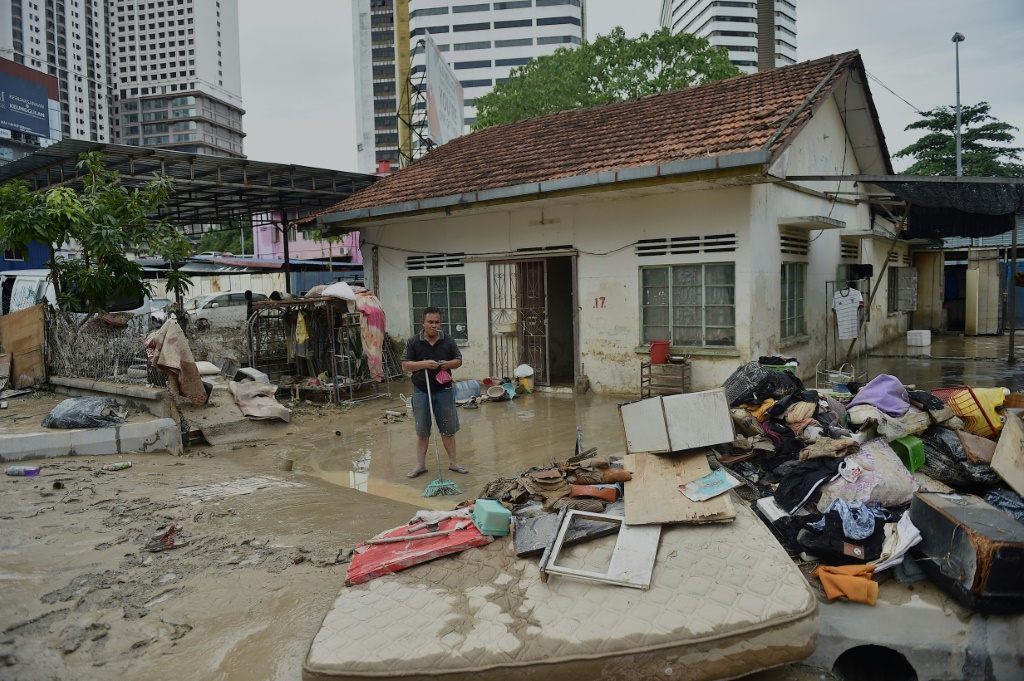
pixel 208 189
pixel 940 207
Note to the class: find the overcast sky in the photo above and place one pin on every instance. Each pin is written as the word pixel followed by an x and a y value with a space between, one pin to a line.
pixel 297 83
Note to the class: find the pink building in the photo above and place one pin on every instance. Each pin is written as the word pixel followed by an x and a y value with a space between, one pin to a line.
pixel 268 242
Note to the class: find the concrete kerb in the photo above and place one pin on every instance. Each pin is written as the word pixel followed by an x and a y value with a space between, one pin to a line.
pixel 146 437
pixel 148 399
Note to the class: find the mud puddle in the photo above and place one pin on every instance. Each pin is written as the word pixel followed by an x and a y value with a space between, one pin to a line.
pixel 367 451
pixel 262 556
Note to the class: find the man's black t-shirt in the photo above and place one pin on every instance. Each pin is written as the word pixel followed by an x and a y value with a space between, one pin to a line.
pixel 418 349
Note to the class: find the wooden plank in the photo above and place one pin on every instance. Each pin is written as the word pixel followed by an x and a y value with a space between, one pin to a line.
pixel 643 424
pixel 5 370
pixel 653 496
pixel 979 449
pixel 22 336
pixel 698 419
pixel 1008 461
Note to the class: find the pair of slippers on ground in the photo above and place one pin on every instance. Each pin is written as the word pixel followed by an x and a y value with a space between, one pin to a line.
pixel 420 471
pixel 165 538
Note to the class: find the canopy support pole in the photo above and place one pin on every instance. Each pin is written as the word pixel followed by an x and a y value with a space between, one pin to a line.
pixel 1012 312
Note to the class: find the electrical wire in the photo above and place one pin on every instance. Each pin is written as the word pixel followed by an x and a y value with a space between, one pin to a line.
pixel 891 91
pixel 495 253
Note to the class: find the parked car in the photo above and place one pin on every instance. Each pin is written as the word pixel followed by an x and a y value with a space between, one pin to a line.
pixel 21 289
pixel 219 309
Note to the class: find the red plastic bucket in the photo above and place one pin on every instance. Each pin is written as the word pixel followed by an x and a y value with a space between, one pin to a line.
pixel 659 352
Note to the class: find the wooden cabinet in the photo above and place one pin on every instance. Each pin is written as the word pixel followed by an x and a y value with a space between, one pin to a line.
pixel 664 379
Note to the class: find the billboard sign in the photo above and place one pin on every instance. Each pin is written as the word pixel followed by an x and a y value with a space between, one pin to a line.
pixel 23 106
pixel 445 119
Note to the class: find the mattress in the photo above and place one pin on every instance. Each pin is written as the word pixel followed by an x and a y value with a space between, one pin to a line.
pixel 724 601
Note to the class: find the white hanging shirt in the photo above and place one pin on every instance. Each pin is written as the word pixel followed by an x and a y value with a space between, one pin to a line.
pixel 847 303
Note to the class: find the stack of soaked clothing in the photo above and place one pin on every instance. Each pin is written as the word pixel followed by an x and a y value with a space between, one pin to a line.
pixel 795 421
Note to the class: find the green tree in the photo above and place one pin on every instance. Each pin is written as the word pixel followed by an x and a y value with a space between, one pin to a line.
pixel 106 222
pixel 983 140
pixel 612 68
pixel 228 240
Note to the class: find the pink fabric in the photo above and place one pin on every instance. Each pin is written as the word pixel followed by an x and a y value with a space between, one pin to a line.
pixel 372 325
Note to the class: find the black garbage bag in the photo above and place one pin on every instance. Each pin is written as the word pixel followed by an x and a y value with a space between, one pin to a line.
pixel 1008 501
pixel 753 384
pixel 85 412
pixel 945 459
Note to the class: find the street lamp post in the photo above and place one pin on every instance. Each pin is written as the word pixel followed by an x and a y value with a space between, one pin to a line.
pixel 957 39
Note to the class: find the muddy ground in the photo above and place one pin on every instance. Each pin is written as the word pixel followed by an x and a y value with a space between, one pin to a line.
pixel 81 597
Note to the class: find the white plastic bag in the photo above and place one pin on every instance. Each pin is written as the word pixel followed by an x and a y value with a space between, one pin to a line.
pixel 523 371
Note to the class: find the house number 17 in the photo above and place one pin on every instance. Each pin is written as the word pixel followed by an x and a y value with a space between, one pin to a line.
pixel 599 302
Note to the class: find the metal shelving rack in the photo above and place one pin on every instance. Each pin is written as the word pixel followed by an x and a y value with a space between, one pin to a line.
pixel 351 370
pixel 664 379
pixel 339 354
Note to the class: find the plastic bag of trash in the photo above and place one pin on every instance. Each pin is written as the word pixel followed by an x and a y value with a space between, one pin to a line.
pixel 945 459
pixel 85 412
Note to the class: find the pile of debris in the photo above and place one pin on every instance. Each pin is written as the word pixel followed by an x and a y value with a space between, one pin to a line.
pixel 610 566
pixel 885 477
pixel 590 495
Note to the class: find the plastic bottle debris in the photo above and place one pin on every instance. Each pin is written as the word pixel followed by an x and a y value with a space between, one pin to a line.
pixel 23 470
pixel 117 466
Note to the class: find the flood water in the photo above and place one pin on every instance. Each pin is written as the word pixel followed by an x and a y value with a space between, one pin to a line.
pixel 353 448
pixel 497 439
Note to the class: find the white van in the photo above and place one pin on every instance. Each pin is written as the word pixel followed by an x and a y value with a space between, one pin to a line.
pixel 21 289
pixel 224 309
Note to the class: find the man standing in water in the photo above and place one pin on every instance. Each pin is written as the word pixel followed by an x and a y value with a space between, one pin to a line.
pixel 426 354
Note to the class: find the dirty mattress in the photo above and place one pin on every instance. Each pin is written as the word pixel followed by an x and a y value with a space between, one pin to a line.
pixel 724 601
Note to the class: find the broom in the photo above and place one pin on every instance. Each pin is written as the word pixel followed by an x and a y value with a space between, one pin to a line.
pixel 439 487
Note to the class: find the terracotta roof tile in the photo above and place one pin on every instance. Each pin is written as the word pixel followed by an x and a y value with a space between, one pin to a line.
pixel 731 116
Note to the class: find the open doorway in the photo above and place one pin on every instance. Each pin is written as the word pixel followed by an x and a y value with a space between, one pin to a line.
pixel 531 305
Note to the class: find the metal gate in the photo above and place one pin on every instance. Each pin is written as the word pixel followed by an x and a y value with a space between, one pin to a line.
pixel 518 301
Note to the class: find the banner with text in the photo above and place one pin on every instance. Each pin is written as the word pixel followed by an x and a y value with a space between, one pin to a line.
pixel 23 106
pixel 445 118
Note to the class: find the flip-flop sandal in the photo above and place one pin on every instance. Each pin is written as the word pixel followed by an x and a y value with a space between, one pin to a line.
pixel 459 469
pixel 161 532
pixel 416 473
pixel 166 543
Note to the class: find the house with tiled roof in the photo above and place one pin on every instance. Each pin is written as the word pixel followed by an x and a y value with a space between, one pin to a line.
pixel 572 241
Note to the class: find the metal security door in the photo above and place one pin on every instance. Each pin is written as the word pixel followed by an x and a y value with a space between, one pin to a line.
pixel 517 291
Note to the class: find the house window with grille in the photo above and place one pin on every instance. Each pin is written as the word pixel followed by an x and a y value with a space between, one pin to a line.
pixel 689 305
pixel 794 290
pixel 902 292
pixel 445 292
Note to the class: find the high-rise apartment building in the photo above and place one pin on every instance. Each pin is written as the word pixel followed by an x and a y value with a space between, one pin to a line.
pixel 759 34
pixel 176 75
pixel 482 41
pixel 66 39
pixel 160 73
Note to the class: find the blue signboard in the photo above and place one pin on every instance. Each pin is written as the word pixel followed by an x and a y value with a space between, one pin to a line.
pixel 23 106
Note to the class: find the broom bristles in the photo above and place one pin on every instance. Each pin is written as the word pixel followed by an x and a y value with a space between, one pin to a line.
pixel 440 488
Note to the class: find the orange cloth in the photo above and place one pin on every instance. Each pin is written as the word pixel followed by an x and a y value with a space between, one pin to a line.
pixel 852 581
pixel 760 411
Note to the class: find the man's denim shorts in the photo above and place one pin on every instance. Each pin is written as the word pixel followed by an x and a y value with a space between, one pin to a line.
pixel 445 416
